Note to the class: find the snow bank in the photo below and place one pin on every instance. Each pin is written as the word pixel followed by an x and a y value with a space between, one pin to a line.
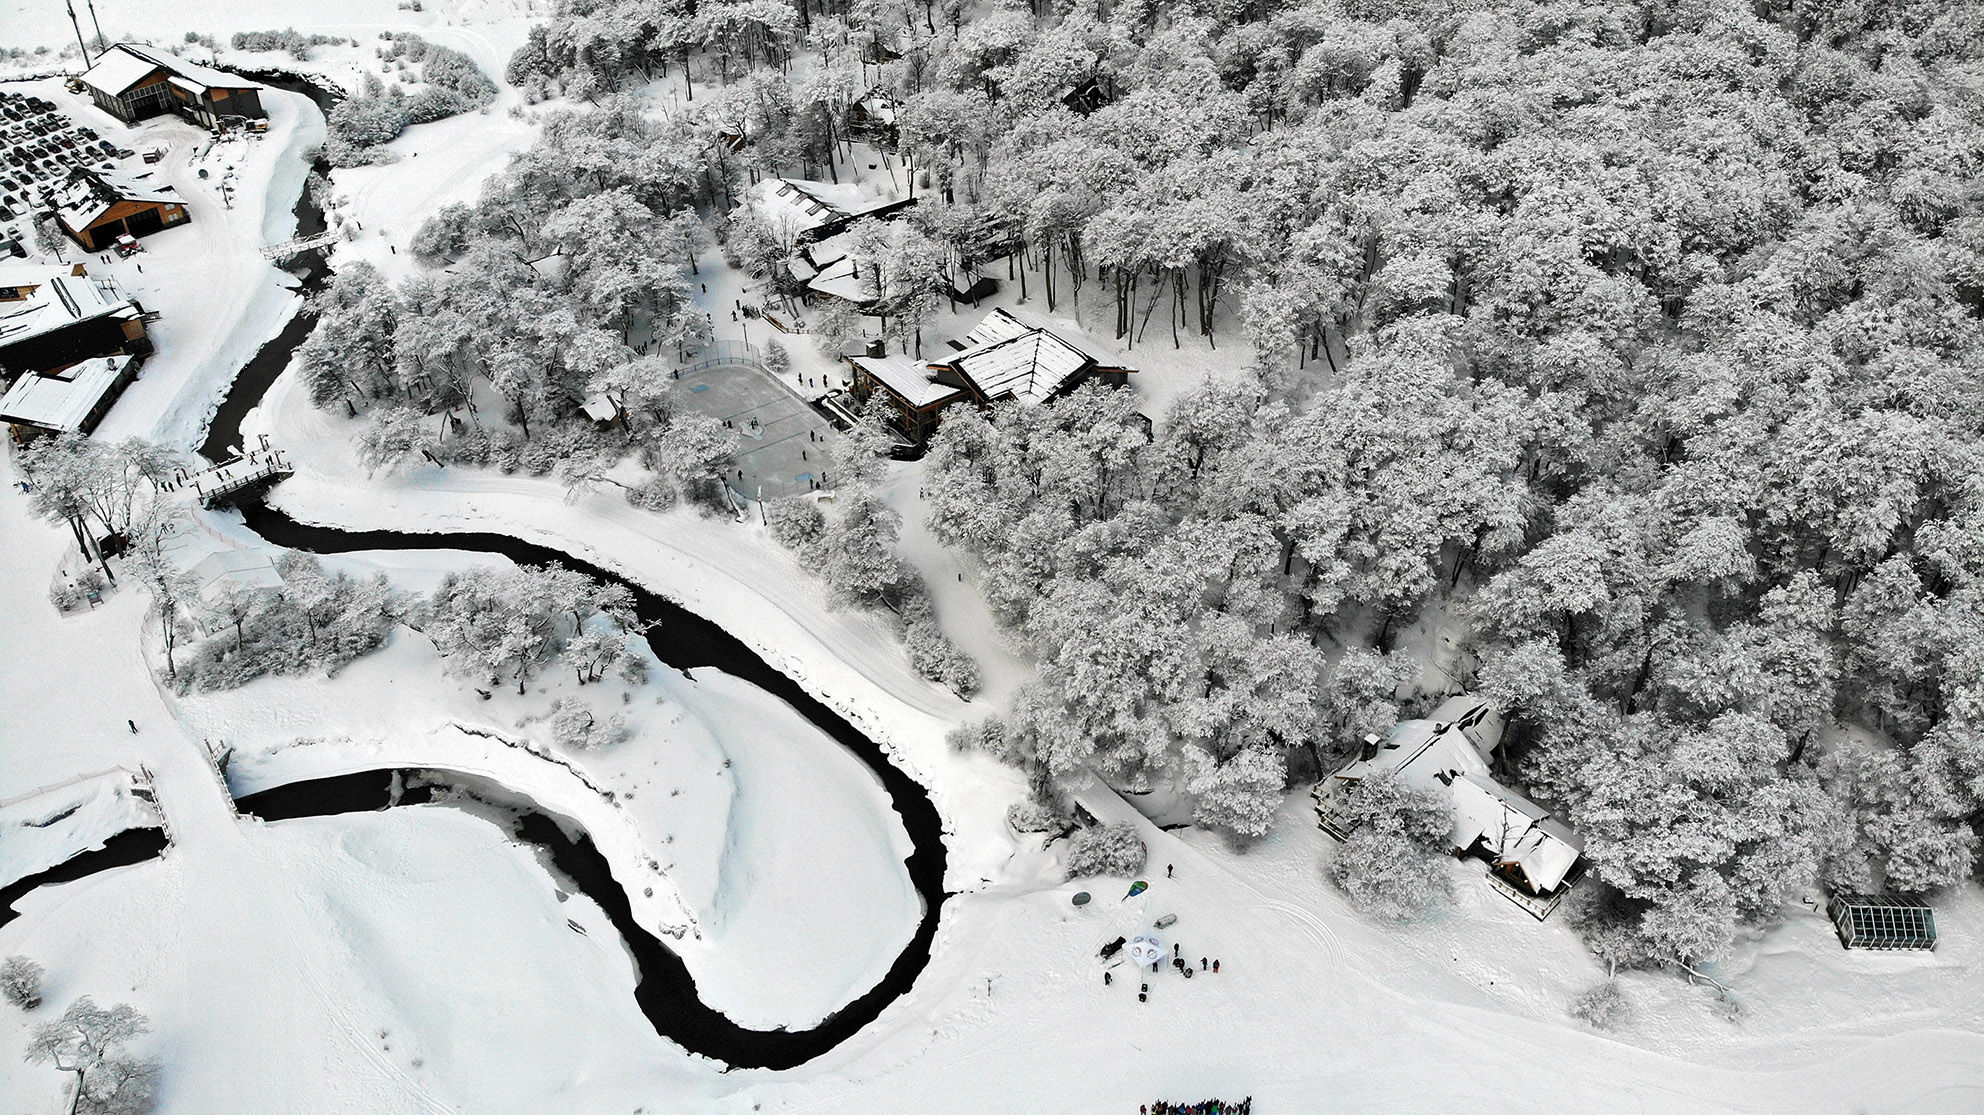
pixel 42 828
pixel 729 820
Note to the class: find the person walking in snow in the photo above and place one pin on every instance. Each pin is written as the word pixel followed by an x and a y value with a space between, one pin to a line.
pixel 1202 963
pixel 1215 967
pixel 1167 871
pixel 134 726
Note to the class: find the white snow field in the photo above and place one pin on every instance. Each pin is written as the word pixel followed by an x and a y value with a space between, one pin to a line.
pixel 416 960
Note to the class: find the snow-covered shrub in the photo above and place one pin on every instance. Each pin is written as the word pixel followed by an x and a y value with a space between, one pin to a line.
pixel 288 40
pixel 795 522
pixel 1393 865
pixel 633 669
pixel 1031 816
pixel 1106 850
pixel 777 360
pixel 1604 1006
pixel 430 105
pixel 357 124
pixel 540 455
pixel 932 653
pixel 456 73
pixel 655 495
pixel 574 727
pixel 20 982
pixel 65 597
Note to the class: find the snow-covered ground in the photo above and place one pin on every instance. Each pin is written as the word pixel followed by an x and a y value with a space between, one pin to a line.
pixel 44 827
pixel 778 861
pixel 415 960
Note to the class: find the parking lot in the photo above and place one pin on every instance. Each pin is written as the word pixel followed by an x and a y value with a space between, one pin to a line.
pixel 39 147
pixel 781 440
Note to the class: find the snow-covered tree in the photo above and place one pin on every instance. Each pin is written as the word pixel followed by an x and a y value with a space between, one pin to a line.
pixel 505 625
pixel 1106 850
pixel 88 1041
pixel 1393 865
pixel 20 982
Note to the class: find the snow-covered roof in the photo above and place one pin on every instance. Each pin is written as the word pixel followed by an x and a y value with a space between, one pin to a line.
pixel 879 105
pixel 1447 752
pixel 126 64
pixel 600 407
pixel 62 400
pixel 89 194
pixel 242 568
pixel 59 298
pixel 800 205
pixel 1515 830
pixel 842 279
pixel 118 69
pixel 906 378
pixel 1010 355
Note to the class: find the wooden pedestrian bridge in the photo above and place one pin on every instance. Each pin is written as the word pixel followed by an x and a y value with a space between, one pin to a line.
pixel 223 482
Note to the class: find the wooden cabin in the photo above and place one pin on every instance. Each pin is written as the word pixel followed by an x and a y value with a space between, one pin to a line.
pixel 133 83
pixel 69 400
pixel 1533 858
pixel 1009 356
pixel 96 207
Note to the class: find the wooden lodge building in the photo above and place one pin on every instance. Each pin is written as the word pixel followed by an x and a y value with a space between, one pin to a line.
pixel 96 207
pixel 69 345
pixel 134 83
pixel 1008 355
pixel 54 316
pixel 1533 858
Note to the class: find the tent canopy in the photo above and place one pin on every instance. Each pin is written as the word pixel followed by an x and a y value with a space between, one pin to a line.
pixel 1146 950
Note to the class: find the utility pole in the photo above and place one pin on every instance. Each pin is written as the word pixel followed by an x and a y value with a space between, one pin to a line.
pixel 79 32
pixel 101 46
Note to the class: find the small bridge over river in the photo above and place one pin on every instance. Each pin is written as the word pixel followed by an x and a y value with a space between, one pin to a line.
pixel 298 245
pixel 221 483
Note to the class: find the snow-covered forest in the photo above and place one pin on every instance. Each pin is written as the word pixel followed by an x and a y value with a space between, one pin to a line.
pixel 1635 343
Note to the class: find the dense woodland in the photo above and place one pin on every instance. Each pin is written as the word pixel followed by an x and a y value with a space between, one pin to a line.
pixel 1634 344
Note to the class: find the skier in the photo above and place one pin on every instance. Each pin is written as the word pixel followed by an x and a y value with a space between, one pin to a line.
pixel 134 726
pixel 1106 979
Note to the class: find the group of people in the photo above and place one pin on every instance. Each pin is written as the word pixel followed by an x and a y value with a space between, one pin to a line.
pixel 1203 1107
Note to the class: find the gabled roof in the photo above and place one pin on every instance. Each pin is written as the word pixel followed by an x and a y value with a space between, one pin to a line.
pixel 1515 830
pixel 1010 355
pixel 62 400
pixel 127 64
pixel 88 195
pixel 118 69
pixel 1448 753
pixel 906 378
pixel 60 298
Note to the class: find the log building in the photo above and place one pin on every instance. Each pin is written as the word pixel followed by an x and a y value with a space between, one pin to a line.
pixel 134 82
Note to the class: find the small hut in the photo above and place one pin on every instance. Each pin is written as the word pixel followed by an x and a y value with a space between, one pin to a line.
pixel 1883 921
